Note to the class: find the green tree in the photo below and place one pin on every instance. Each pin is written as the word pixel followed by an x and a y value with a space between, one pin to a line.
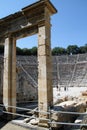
pixel 26 51
pixel 34 51
pixel 72 49
pixel 83 49
pixel 58 51
pixel 19 51
pixel 86 48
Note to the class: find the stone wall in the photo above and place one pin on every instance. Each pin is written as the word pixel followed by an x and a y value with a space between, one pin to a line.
pixel 67 71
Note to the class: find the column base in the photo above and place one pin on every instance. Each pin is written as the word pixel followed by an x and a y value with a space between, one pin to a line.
pixel 43 123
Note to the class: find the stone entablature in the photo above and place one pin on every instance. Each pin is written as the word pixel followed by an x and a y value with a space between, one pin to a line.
pixel 26 21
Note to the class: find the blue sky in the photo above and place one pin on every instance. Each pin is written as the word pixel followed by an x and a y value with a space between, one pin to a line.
pixel 69 25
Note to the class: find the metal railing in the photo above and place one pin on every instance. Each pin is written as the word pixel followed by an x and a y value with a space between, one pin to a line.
pixel 50 112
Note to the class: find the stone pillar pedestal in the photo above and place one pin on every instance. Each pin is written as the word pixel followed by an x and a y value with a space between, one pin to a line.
pixel 9 76
pixel 45 90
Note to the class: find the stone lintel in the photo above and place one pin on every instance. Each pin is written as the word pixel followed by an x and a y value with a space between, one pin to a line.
pixel 24 32
pixel 45 3
pixel 29 16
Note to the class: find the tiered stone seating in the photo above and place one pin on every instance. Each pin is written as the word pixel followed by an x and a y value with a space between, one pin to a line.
pixel 27 60
pixel 26 89
pixel 82 57
pixel 62 59
pixel 67 71
pixel 73 58
pixel 79 74
pixel 65 74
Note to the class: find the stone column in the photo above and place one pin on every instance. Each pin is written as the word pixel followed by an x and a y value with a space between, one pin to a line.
pixel 45 90
pixel 9 76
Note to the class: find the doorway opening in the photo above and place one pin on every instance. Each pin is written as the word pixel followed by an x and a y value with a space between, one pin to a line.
pixel 27 71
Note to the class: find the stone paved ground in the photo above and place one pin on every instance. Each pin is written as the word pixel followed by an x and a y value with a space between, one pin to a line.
pixel 13 126
pixel 10 126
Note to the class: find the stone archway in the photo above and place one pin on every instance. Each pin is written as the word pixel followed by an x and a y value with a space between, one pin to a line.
pixel 33 19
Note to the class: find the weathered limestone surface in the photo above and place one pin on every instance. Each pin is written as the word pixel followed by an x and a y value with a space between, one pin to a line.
pixel 45 92
pixel 9 76
pixel 30 20
pixel 84 121
pixel 68 106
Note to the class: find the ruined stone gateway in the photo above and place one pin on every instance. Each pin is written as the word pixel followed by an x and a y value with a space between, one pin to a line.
pixel 33 19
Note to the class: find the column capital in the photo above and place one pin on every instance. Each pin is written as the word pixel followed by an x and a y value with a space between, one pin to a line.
pixel 8 35
pixel 44 23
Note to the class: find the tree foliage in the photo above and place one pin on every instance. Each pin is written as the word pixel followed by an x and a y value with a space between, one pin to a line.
pixel 34 51
pixel 58 51
pixel 26 51
pixel 19 51
pixel 71 49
